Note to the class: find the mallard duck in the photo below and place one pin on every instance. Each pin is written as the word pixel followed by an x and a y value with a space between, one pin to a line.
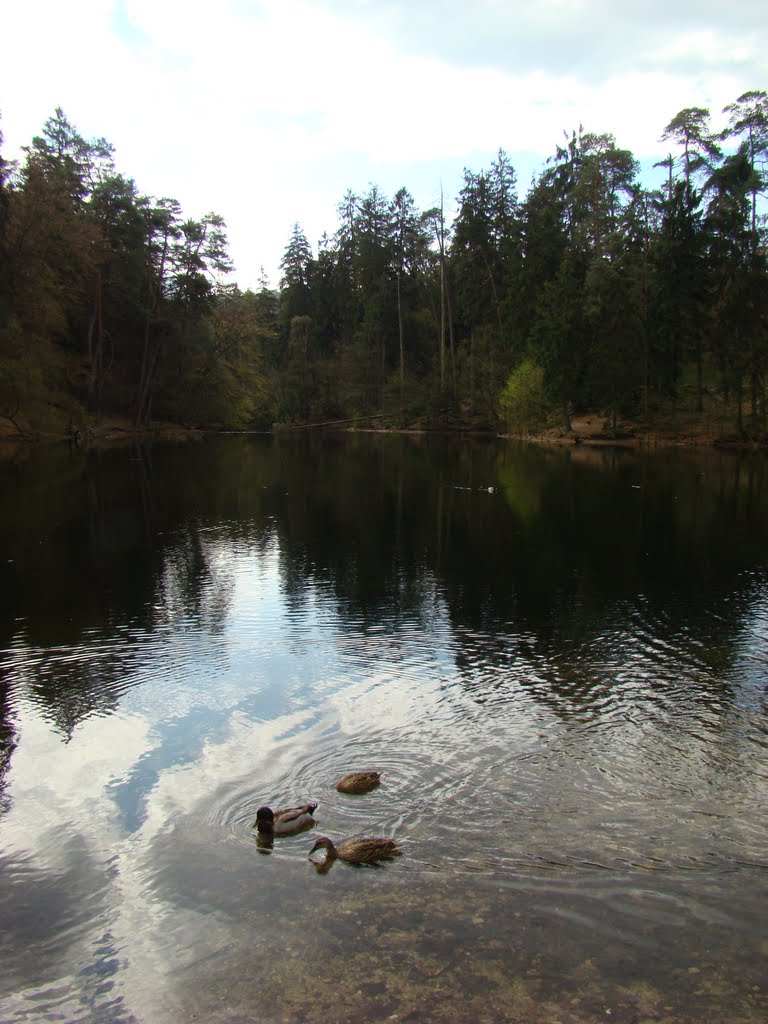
pixel 358 782
pixel 284 822
pixel 359 851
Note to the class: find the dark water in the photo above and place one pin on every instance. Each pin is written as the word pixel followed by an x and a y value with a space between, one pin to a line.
pixel 557 659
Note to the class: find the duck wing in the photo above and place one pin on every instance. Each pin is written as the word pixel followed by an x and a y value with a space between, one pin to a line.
pixel 285 815
pixel 358 782
pixel 368 851
pixel 298 824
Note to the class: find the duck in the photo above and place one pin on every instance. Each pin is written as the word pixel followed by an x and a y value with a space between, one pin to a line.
pixel 286 821
pixel 358 782
pixel 358 851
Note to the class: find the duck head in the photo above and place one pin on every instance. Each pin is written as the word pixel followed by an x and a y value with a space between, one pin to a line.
pixel 265 819
pixel 324 843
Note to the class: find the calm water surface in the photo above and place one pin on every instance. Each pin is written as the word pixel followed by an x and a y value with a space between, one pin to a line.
pixel 558 660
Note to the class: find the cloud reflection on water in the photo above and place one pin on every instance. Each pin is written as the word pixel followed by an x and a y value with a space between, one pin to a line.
pixel 555 741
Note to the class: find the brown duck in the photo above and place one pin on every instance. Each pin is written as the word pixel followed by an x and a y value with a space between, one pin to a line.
pixel 358 851
pixel 358 782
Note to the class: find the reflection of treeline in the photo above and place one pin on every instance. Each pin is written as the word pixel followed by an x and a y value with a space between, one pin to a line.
pixel 505 530
pixel 592 291
pixel 103 552
pixel 98 561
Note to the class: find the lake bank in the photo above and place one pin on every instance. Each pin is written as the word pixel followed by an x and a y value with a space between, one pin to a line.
pixel 594 430
pixel 591 429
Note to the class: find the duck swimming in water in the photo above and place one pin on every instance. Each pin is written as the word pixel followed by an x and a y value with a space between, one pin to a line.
pixel 358 851
pixel 286 821
pixel 358 782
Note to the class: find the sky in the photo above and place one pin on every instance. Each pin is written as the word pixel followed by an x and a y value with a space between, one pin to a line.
pixel 268 111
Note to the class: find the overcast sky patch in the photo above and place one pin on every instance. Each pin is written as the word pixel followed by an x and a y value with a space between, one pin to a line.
pixel 267 111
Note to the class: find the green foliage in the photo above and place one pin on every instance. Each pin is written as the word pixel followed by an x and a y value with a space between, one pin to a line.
pixel 523 402
pixel 678 300
pixel 690 130
pixel 586 292
pixel 36 392
pixel 614 319
pixel 559 334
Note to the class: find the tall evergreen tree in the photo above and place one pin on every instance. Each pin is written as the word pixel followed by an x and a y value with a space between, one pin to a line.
pixel 296 268
pixel 749 121
pixel 558 337
pixel 689 128
pixel 405 247
pixel 738 267
pixel 679 297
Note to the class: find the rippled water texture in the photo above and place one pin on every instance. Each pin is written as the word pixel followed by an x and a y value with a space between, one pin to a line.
pixel 557 660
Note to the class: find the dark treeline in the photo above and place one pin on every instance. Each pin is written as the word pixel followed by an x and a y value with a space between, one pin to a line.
pixel 591 293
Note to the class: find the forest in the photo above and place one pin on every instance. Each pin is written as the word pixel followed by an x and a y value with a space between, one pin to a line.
pixel 590 292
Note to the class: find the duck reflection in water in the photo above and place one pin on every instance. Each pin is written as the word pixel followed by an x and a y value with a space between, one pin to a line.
pixel 264 844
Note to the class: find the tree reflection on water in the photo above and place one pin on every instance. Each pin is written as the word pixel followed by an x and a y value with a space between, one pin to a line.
pixel 557 661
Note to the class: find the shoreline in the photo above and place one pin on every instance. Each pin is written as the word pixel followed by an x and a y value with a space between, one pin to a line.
pixel 587 431
pixel 590 431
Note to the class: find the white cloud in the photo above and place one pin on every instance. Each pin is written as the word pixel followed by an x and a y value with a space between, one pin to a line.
pixel 267 112
pixel 62 797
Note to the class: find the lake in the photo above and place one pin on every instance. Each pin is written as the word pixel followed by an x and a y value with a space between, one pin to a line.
pixel 557 659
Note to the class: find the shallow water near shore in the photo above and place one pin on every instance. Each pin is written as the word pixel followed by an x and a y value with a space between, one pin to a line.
pixel 557 659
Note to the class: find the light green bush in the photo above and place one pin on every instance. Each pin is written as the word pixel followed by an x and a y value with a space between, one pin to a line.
pixel 523 402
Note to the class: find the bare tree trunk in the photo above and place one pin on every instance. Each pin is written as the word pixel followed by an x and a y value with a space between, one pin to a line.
pixel 566 413
pixel 149 363
pixel 472 369
pixel 496 304
pixel 401 329
pixel 441 243
pixel 753 399
pixel 699 379
pixel 451 339
pixel 442 320
pixel 95 349
pixel 143 385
